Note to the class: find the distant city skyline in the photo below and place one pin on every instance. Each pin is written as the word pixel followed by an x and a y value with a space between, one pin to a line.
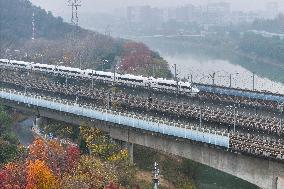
pixel 60 8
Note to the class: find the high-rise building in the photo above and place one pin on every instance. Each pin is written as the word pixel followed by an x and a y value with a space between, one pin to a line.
pixel 217 13
pixel 272 9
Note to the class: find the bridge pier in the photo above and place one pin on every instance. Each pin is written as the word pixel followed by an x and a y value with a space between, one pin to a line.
pixel 279 182
pixel 37 122
pixel 129 147
pixel 130 151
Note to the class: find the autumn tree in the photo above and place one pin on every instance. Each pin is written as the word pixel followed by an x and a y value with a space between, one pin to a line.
pixel 40 176
pixel 90 173
pixel 13 176
pixel 59 157
pixel 136 55
pixel 102 146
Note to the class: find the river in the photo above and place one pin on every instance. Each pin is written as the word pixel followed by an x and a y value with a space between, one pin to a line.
pixel 200 66
pixel 24 132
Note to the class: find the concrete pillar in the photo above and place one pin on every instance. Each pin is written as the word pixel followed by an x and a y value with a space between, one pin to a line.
pixel 130 152
pixel 37 122
pixel 280 182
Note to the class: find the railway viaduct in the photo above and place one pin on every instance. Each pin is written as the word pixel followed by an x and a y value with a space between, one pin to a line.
pixel 264 173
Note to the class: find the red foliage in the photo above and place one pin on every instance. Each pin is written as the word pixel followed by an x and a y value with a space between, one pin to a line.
pixel 12 176
pixel 111 186
pixel 135 55
pixel 59 158
pixel 72 156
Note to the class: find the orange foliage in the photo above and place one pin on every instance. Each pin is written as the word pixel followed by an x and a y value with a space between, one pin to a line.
pixel 39 176
pixel 38 150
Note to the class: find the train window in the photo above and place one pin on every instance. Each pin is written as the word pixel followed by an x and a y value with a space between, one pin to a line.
pixel 23 65
pixel 104 76
pixel 168 85
pixel 75 72
pixel 63 70
pixel 46 68
pixel 132 80
pixel 185 87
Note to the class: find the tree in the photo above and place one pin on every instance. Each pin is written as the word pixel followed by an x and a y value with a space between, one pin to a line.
pixel 73 155
pixel 40 176
pixel 90 173
pixel 60 158
pixel 101 145
pixel 13 176
pixel 8 141
pixel 136 55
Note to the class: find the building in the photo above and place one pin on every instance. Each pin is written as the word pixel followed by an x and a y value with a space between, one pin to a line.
pixel 272 10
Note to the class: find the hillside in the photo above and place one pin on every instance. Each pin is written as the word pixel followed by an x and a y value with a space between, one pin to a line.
pixel 54 43
pixel 16 22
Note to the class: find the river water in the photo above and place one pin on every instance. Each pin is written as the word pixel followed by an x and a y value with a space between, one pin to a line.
pixel 200 67
pixel 23 131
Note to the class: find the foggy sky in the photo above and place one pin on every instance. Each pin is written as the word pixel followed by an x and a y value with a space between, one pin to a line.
pixel 60 8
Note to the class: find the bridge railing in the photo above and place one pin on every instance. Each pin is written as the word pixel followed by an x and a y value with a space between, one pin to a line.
pixel 192 132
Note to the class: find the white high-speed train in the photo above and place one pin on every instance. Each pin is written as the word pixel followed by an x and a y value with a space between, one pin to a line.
pixel 126 79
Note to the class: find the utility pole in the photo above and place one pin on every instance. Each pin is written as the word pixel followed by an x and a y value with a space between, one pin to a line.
pixel 33 25
pixel 281 116
pixel 74 4
pixel 200 117
pixel 213 78
pixel 191 79
pixel 92 79
pixel 235 117
pixel 230 80
pixel 253 87
pixel 156 173
pixel 175 67
pixel 102 66
pixel 66 80
pixel 114 74
pixel 153 70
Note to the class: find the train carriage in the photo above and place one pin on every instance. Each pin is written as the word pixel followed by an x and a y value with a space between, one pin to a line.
pixel 68 71
pixel 132 80
pixel 43 68
pixel 4 62
pixel 20 64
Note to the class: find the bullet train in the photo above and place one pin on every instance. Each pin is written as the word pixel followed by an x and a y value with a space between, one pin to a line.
pixel 126 79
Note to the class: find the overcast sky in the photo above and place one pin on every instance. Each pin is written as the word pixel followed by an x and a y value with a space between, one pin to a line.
pixel 59 7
